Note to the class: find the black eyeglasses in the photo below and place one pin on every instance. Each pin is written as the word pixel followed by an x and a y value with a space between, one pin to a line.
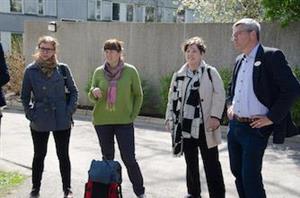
pixel 44 49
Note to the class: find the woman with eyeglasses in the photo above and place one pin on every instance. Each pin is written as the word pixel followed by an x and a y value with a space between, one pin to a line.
pixel 117 95
pixel 49 108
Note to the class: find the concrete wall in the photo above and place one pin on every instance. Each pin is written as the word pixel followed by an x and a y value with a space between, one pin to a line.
pixel 153 48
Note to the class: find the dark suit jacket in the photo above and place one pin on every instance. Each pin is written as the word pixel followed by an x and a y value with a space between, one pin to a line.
pixel 4 76
pixel 276 87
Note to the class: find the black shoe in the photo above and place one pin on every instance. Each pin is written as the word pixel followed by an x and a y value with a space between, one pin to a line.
pixel 68 193
pixel 35 193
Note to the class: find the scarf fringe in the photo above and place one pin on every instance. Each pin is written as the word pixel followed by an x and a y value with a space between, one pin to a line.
pixel 110 107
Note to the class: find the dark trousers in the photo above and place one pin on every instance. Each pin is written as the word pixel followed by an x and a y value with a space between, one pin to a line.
pixel 212 167
pixel 40 142
pixel 246 148
pixel 0 119
pixel 125 138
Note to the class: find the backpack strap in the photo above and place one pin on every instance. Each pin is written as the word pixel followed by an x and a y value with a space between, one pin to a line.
pixel 62 69
pixel 209 74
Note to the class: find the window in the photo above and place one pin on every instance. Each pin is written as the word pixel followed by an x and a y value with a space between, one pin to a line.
pixel 129 13
pixel 98 9
pixel 106 10
pixel 181 16
pixel 116 11
pixel 169 15
pixel 150 14
pixel 30 7
pixel 34 7
pixel 94 9
pixel 159 14
pixel 16 6
pixel 50 7
pixel 40 7
pixel 91 9
pixel 139 13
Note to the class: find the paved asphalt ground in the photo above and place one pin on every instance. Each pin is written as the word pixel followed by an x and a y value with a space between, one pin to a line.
pixel 164 175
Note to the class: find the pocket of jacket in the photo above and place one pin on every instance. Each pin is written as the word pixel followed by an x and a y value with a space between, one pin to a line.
pixel 30 115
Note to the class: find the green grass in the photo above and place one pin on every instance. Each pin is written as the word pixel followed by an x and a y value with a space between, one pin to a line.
pixel 9 180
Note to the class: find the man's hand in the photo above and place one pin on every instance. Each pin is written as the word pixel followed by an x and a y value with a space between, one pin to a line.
pixel 230 112
pixel 260 121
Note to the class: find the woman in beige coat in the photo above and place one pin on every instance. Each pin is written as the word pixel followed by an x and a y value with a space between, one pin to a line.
pixel 195 106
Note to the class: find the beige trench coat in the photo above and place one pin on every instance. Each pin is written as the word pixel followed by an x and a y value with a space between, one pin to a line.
pixel 212 97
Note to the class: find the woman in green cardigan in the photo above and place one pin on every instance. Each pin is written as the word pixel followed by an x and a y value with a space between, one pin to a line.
pixel 117 96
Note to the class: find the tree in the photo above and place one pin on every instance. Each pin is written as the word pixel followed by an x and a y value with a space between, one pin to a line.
pixel 223 11
pixel 284 11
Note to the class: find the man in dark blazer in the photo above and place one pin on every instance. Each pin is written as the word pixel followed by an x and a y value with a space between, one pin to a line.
pixel 4 78
pixel 261 94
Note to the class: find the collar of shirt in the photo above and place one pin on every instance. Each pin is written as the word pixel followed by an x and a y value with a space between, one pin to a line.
pixel 252 54
pixel 191 73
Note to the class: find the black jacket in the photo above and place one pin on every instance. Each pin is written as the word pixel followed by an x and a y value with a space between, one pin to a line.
pixel 276 87
pixel 4 76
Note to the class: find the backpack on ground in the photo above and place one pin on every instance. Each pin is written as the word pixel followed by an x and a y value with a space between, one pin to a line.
pixel 105 178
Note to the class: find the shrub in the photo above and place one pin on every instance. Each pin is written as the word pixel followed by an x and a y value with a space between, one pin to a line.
pixel 165 82
pixel 147 105
pixel 16 65
pixel 226 74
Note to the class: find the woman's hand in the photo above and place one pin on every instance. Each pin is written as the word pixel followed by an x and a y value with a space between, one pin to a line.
pixel 213 124
pixel 168 125
pixel 97 93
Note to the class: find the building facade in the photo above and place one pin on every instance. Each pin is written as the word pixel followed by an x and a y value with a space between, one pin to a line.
pixel 13 13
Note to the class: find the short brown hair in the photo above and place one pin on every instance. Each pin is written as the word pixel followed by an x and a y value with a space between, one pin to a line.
pixel 198 41
pixel 113 44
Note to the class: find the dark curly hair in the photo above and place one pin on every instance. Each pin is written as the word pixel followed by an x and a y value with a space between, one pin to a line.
pixel 198 41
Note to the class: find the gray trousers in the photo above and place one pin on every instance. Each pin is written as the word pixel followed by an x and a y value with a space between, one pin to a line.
pixel 125 137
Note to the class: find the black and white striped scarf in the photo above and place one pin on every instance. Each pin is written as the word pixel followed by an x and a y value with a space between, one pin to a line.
pixel 186 108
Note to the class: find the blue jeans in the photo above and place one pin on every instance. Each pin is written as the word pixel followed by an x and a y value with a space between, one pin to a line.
pixel 125 137
pixel 246 148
